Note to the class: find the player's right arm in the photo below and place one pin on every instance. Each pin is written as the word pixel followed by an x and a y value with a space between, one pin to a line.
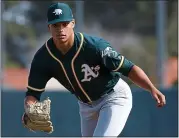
pixel 38 77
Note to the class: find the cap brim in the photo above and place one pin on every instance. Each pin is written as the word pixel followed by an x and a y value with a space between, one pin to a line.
pixel 59 20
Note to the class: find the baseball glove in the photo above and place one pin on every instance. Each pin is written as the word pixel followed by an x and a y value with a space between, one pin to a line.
pixel 37 116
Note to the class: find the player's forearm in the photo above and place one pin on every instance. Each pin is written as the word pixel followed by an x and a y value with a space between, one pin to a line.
pixel 138 76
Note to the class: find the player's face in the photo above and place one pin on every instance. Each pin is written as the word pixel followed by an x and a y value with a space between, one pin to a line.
pixel 62 31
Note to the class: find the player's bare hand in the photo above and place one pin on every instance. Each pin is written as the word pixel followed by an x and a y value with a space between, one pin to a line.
pixel 159 97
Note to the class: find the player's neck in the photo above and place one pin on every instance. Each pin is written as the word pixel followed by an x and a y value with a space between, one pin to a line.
pixel 64 47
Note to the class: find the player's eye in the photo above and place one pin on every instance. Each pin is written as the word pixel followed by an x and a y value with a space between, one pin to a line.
pixel 55 25
pixel 65 23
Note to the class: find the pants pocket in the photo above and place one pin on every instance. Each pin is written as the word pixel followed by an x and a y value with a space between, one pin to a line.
pixel 122 89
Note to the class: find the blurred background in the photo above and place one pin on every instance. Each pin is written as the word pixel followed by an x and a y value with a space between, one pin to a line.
pixel 143 31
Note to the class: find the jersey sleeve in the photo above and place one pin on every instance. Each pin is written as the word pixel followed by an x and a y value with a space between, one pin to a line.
pixel 112 59
pixel 38 76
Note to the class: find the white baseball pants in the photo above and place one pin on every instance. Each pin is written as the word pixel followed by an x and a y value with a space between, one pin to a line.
pixel 108 115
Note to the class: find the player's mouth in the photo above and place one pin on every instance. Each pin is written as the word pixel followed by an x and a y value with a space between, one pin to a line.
pixel 61 36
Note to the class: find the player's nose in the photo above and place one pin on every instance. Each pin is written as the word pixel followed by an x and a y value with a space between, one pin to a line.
pixel 59 29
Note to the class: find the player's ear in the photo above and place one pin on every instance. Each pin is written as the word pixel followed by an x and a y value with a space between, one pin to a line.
pixel 48 27
pixel 73 23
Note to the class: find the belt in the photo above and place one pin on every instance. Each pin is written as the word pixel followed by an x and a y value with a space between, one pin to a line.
pixel 93 100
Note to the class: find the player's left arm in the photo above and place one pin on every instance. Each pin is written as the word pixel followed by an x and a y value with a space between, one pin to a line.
pixel 116 62
pixel 138 76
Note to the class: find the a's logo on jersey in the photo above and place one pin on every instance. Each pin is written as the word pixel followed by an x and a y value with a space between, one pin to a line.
pixel 57 11
pixel 89 73
pixel 109 52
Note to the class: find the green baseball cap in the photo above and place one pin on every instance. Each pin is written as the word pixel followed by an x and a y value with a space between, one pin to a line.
pixel 59 12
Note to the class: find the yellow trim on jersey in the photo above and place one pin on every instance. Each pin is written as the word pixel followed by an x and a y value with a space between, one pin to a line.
pixel 72 65
pixel 60 64
pixel 122 61
pixel 35 89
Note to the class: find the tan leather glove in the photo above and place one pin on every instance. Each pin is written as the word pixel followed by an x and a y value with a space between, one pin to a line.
pixel 37 116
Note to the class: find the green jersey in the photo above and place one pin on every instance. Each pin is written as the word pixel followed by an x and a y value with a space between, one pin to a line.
pixel 89 69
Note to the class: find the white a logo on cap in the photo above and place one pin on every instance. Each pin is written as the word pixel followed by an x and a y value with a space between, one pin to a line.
pixel 57 11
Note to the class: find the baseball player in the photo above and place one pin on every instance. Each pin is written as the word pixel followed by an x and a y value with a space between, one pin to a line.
pixel 90 68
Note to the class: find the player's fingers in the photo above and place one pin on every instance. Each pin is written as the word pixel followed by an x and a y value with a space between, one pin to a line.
pixel 157 99
pixel 159 102
pixel 160 105
pixel 162 98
